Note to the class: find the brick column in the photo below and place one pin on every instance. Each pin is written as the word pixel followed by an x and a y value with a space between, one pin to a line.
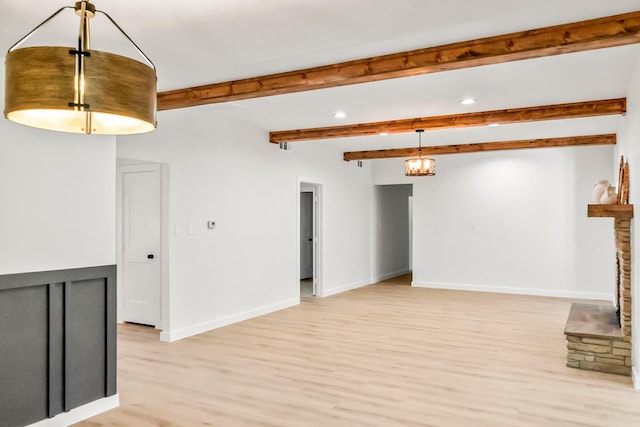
pixel 622 228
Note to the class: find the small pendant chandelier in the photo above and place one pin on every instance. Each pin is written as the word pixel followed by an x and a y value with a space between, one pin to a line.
pixel 419 166
pixel 79 90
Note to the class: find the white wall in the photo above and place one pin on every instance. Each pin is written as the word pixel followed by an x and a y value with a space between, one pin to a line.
pixel 57 199
pixel 248 265
pixel 511 221
pixel 629 146
pixel 391 237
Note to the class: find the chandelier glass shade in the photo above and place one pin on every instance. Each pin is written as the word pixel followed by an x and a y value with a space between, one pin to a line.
pixel 420 166
pixel 77 89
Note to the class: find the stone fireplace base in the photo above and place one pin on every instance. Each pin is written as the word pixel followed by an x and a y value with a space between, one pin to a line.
pixel 595 340
pixel 599 336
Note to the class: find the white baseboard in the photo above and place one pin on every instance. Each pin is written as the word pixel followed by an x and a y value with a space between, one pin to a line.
pixel 345 288
pixel 80 413
pixel 391 275
pixel 506 290
pixel 635 376
pixel 179 334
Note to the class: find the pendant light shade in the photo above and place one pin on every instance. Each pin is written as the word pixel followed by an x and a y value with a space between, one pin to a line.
pixel 79 90
pixel 420 166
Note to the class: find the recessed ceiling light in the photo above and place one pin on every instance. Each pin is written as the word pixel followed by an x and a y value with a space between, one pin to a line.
pixel 339 114
pixel 467 101
pixel 383 134
pixel 493 124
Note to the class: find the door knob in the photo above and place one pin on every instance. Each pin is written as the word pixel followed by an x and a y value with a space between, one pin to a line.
pixel 311 239
pixel 150 256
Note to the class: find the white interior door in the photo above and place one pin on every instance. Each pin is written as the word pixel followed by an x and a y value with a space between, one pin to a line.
pixel 306 235
pixel 141 227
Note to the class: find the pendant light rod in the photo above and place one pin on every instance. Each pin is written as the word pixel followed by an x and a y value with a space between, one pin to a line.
pixel 84 45
pixel 146 58
pixel 30 33
pixel 419 132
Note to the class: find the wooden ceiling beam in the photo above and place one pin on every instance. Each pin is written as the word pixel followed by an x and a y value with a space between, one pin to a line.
pixel 598 33
pixel 514 115
pixel 571 141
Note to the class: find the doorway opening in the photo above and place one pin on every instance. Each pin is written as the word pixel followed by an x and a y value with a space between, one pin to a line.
pixel 142 243
pixel 309 242
pixel 393 237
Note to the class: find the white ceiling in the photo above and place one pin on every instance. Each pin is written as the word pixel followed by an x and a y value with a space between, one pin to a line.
pixel 205 41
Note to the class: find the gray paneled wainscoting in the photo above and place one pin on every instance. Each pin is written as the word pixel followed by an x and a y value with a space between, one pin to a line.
pixel 57 342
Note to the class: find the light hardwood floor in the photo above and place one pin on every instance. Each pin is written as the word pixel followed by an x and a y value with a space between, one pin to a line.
pixel 383 355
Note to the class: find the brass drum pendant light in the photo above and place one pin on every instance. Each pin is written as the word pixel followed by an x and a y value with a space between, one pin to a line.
pixel 78 89
pixel 419 166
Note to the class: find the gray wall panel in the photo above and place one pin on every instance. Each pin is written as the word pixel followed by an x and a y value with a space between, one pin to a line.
pixel 56 349
pixel 57 342
pixel 85 343
pixel 112 331
pixel 24 338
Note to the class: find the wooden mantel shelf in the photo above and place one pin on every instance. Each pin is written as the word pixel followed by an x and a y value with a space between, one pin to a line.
pixel 610 211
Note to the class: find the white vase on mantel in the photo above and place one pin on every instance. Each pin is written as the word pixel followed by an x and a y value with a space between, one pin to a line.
pixel 610 197
pixel 599 190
